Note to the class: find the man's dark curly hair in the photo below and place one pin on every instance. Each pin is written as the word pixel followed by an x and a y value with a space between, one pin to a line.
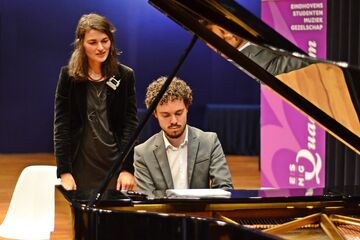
pixel 177 90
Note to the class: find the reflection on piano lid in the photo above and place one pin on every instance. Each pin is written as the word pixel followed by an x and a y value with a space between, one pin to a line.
pixel 326 91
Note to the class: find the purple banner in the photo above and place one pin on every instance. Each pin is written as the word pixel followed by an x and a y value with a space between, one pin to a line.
pixel 293 145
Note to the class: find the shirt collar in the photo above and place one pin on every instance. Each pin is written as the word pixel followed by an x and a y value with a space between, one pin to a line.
pixel 244 46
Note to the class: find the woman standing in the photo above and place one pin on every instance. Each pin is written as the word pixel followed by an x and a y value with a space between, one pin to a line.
pixel 95 110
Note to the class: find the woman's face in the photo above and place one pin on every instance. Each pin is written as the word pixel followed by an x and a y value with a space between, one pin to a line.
pixel 96 45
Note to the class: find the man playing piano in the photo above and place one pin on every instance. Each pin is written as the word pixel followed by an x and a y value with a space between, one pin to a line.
pixel 179 156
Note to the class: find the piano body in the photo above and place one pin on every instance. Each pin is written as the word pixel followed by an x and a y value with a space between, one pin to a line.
pixel 248 214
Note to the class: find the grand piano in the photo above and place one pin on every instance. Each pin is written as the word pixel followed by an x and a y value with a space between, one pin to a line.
pixel 320 213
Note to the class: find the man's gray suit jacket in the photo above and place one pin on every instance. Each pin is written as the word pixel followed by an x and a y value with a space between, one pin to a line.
pixel 273 62
pixel 207 165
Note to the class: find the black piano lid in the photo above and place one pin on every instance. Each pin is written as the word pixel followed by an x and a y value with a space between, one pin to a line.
pixel 118 198
pixel 233 18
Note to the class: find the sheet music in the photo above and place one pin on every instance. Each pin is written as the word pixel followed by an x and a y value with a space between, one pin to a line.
pixel 197 193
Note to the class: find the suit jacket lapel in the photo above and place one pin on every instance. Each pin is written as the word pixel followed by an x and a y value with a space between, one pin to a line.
pixel 80 89
pixel 110 93
pixel 161 158
pixel 193 146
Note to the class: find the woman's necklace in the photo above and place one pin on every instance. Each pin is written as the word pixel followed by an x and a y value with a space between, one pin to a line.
pixel 98 88
pixel 95 77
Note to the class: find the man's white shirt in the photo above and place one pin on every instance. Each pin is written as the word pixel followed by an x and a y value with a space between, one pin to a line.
pixel 177 158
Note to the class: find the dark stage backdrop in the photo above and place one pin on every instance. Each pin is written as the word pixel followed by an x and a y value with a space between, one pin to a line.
pixel 343 164
pixel 35 41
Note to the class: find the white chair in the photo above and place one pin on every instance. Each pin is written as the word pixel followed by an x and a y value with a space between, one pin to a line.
pixel 31 213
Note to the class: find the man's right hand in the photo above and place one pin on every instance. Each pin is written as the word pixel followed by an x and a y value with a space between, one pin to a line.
pixel 67 181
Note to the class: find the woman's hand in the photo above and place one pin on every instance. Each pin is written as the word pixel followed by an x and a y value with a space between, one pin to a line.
pixel 67 181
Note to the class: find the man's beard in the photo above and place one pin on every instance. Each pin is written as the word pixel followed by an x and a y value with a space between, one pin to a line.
pixel 176 135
